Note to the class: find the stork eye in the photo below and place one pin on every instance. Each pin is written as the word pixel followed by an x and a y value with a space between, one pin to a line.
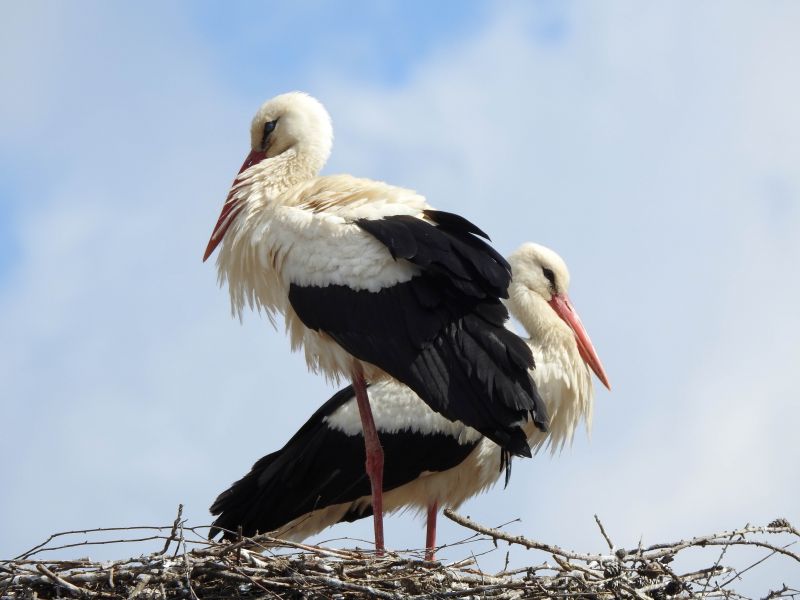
pixel 550 276
pixel 268 129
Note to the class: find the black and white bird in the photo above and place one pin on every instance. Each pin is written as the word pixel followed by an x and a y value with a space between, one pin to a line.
pixel 372 283
pixel 317 479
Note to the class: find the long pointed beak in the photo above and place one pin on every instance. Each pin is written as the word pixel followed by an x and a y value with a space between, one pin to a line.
pixel 231 207
pixel 563 308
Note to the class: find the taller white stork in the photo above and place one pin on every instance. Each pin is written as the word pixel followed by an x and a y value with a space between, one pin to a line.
pixel 373 283
pixel 316 479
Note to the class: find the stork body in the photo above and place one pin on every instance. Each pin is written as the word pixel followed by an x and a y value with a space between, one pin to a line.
pixel 373 284
pixel 315 480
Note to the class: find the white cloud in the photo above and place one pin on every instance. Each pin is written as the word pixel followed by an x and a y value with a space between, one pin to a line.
pixel 655 148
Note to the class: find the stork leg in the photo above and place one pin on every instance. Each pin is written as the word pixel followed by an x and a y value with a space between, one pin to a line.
pixel 430 534
pixel 374 450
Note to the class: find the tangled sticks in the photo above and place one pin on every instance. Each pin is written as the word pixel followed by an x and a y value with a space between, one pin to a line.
pixel 188 566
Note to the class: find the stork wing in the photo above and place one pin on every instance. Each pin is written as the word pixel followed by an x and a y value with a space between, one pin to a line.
pixel 323 465
pixel 440 329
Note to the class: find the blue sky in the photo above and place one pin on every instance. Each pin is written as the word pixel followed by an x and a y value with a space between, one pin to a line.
pixel 379 42
pixel 654 146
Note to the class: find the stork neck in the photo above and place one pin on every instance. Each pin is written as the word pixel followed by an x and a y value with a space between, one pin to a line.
pixel 540 321
pixel 561 375
pixel 275 175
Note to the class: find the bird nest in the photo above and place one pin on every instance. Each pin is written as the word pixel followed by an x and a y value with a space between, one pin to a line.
pixel 188 566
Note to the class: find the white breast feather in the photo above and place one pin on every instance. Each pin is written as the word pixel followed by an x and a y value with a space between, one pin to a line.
pixel 564 381
pixel 306 236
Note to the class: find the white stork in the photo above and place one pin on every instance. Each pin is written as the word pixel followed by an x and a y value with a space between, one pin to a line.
pixel 316 479
pixel 372 284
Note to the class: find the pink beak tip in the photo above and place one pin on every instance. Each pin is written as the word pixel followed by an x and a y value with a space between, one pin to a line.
pixel 605 382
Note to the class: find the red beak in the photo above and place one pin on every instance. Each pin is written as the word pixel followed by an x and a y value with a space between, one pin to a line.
pixel 563 308
pixel 231 207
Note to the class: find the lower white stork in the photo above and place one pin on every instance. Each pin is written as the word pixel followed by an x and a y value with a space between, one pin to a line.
pixel 373 283
pixel 317 480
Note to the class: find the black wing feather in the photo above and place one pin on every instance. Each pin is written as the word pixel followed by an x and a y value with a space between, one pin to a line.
pixel 442 333
pixel 453 221
pixel 320 467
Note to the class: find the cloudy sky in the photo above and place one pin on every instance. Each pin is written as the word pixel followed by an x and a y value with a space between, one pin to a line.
pixel 656 146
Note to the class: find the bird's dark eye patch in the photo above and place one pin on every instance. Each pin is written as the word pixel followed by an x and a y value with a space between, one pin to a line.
pixel 268 129
pixel 550 276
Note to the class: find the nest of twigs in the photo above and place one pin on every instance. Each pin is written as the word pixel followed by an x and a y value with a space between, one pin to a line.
pixel 189 566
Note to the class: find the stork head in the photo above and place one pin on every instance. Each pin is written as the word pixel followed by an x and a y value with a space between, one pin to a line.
pixel 538 298
pixel 293 122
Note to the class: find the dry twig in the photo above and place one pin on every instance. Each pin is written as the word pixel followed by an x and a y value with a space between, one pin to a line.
pixel 266 567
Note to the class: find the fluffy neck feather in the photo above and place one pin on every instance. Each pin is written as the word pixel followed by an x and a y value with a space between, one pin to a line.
pixel 259 191
pixel 537 317
pixel 563 378
pixel 270 178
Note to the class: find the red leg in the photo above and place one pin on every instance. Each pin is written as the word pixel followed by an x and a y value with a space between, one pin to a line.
pixel 374 455
pixel 430 537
